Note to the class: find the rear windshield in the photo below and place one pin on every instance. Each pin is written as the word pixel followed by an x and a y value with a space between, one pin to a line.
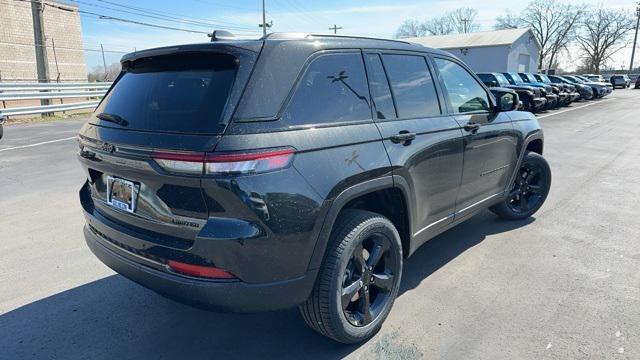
pixel 184 93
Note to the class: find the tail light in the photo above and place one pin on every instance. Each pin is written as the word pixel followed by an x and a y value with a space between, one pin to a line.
pixel 253 162
pixel 248 163
pixel 200 271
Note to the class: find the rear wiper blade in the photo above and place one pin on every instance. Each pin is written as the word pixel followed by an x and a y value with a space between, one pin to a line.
pixel 113 118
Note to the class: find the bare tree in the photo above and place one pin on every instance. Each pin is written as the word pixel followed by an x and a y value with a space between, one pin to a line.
pixel 438 26
pixel 410 28
pixel 604 33
pixel 463 20
pixel 553 24
pixel 508 21
pixel 98 73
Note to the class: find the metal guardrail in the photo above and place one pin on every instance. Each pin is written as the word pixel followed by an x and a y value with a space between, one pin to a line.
pixel 92 92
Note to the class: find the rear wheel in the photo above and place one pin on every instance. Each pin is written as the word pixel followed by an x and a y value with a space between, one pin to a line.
pixel 529 190
pixel 359 279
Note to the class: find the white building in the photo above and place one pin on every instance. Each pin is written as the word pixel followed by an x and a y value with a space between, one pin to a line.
pixel 499 51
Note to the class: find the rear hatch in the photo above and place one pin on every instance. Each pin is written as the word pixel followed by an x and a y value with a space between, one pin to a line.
pixel 144 146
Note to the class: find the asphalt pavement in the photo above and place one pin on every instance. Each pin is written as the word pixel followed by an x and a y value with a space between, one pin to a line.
pixel 563 284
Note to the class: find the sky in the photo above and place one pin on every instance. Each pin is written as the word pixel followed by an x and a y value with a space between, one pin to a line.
pixel 377 18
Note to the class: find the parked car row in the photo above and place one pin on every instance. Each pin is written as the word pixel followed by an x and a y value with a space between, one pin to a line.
pixel 540 92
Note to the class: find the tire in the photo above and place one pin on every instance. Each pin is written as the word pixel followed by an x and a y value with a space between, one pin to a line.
pixel 324 311
pixel 527 105
pixel 528 191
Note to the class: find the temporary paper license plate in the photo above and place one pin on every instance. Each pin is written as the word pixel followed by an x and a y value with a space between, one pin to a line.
pixel 121 194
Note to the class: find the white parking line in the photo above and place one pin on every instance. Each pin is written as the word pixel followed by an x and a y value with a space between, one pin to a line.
pixel 575 108
pixel 37 144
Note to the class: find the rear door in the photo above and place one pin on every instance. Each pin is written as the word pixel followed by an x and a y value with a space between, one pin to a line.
pixel 423 143
pixel 489 138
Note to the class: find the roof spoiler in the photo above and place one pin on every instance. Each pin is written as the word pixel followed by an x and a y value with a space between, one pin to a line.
pixel 221 35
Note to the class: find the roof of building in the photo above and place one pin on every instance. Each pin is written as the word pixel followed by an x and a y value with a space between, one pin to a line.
pixel 475 39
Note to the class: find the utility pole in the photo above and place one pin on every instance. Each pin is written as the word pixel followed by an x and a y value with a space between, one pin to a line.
pixel 104 62
pixel 465 23
pixel 55 58
pixel 264 24
pixel 335 28
pixel 635 38
pixel 42 62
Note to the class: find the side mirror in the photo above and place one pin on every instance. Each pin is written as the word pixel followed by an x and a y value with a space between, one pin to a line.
pixel 506 101
pixel 494 83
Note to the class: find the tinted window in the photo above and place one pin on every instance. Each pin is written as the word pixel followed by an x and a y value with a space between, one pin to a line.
pixel 502 80
pixel 184 94
pixel 515 78
pixel 333 89
pixel 379 86
pixel 486 79
pixel 465 93
pixel 412 85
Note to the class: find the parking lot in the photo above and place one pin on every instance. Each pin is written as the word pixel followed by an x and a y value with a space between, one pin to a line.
pixel 564 284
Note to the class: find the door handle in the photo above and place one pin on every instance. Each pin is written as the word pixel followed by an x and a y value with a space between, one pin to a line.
pixel 472 127
pixel 403 137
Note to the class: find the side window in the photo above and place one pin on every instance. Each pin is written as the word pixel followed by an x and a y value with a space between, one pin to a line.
pixel 486 78
pixel 332 89
pixel 412 84
pixel 380 90
pixel 465 93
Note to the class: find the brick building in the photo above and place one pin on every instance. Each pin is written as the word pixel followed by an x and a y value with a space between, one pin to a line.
pixel 63 39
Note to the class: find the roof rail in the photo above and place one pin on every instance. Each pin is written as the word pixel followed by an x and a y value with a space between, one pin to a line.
pixel 288 35
pixel 359 37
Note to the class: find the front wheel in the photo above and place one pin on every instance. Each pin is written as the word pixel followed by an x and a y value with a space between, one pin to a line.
pixel 529 190
pixel 359 279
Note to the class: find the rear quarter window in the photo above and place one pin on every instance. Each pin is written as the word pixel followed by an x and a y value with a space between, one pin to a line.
pixel 333 89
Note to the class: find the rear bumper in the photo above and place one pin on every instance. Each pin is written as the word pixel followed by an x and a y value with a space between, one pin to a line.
pixel 221 295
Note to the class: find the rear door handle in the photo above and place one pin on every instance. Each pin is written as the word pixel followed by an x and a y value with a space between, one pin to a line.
pixel 472 127
pixel 403 137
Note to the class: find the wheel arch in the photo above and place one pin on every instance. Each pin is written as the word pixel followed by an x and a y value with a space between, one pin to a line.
pixel 363 196
pixel 533 141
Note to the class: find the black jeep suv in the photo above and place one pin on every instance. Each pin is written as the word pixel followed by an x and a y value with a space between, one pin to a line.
pixel 297 170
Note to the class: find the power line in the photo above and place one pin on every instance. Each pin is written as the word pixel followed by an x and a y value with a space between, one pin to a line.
pixel 141 11
pixel 295 10
pixel 178 16
pixel 137 13
pixel 107 17
pixel 63 48
pixel 119 19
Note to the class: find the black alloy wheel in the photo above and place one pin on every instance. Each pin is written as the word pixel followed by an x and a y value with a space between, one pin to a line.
pixel 529 190
pixel 359 279
pixel 368 280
